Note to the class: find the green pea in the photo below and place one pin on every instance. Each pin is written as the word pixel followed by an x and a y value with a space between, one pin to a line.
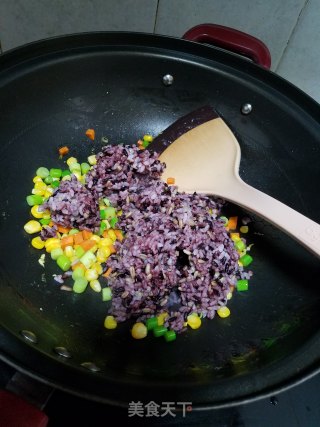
pixel 151 323
pixel 170 336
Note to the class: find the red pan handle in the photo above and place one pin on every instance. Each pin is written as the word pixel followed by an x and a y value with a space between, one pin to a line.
pixel 15 412
pixel 232 40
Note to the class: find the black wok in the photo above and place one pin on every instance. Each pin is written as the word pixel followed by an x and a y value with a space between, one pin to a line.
pixel 50 93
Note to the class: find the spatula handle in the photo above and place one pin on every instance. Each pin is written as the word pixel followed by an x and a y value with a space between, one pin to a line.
pixel 298 226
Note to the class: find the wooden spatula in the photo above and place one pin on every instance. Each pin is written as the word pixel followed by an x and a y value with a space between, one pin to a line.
pixel 203 155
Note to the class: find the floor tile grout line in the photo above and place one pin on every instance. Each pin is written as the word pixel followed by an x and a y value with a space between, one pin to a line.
pixel 291 34
pixel 156 16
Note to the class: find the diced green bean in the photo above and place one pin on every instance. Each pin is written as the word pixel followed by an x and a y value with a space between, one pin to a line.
pixel 55 253
pixel 55 184
pixel 113 222
pixel 85 167
pixel 64 262
pixel 75 167
pixel 246 260
pixel 80 285
pixel 79 251
pixel 102 214
pixel 48 179
pixel 110 212
pixel 44 221
pixel 240 245
pixel 55 173
pixel 73 231
pixel 158 331
pixel 65 172
pixel 34 199
pixel 106 294
pixel 42 172
pixel 77 273
pixel 242 285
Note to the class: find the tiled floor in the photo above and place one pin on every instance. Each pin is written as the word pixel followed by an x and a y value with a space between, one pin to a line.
pixel 289 28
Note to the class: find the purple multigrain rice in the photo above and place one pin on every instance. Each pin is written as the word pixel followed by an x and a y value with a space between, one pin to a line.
pixel 177 256
pixel 73 206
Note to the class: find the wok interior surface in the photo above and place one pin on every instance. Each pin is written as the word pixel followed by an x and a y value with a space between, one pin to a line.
pixel 50 93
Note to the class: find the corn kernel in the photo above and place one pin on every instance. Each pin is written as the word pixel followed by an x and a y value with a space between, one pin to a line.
pixel 97 267
pixel 71 160
pixel 103 254
pixel 235 236
pixel 40 185
pixel 52 243
pixel 95 285
pixel 96 238
pixel 32 227
pixel 223 312
pixel 110 322
pixel 94 249
pixel 38 192
pixel 35 212
pixel 139 331
pixel 37 242
pixel 47 194
pixel 112 235
pixel 92 160
pixel 77 175
pixel 244 229
pixel 194 321
pixel 148 138
pixel 69 251
pixel 37 179
pixel 91 274
pixel 161 318
pixel 106 241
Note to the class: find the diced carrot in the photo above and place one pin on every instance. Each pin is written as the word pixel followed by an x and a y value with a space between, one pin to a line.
pixel 66 241
pixel 90 134
pixel 107 273
pixel 62 229
pixel 119 235
pixel 170 181
pixel 232 223
pixel 78 238
pixel 86 234
pixel 51 224
pixel 87 244
pixel 78 264
pixel 112 249
pixel 63 150
pixel 105 234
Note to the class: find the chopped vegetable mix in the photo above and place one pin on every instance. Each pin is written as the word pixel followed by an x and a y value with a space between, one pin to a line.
pixel 83 253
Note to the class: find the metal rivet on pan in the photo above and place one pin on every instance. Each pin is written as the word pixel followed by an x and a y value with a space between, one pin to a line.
pixel 246 108
pixel 63 352
pixel 29 336
pixel 167 80
pixel 91 366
